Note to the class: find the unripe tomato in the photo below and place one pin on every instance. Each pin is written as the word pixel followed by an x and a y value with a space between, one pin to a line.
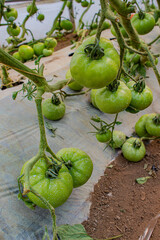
pixel 148 63
pixel 94 25
pixel 34 10
pixel 153 124
pixel 38 48
pixel 50 43
pixel 104 136
pixel 11 14
pixel 17 56
pixel 69 4
pixel 55 189
pixel 26 52
pixel 78 163
pixel 66 24
pixel 92 96
pixel 92 72
pixel 40 17
pixel 132 57
pixel 74 85
pixel 13 31
pixel 115 101
pixel 140 126
pixel 9 40
pixel 47 52
pixel 93 32
pixel 133 149
pixel 143 25
pixel 118 139
pixel 84 4
pixel 140 99
pixel 52 110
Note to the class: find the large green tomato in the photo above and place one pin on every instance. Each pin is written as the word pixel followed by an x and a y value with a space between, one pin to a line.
pixel 118 139
pixel 109 101
pixel 11 14
pixel 74 85
pixel 153 124
pixel 79 164
pixel 140 100
pixel 26 52
pixel 133 149
pixel 143 25
pixel 38 48
pixel 52 110
pixel 95 73
pixel 55 189
pixel 140 126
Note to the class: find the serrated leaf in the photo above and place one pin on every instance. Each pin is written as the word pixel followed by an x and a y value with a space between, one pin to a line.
pixel 74 232
pixel 142 180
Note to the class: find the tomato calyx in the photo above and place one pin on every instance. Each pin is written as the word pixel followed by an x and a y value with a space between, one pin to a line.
pixel 94 51
pixel 113 86
pixel 156 120
pixel 137 143
pixel 139 86
pixel 55 99
pixel 53 170
pixel 141 15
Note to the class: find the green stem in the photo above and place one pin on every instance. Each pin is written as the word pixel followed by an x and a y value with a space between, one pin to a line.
pixel 56 19
pixel 6 80
pixel 102 19
pixel 146 4
pixel 158 2
pixel 71 15
pixel 81 17
pixel 26 19
pixel 1 9
pixel 149 44
pixel 128 75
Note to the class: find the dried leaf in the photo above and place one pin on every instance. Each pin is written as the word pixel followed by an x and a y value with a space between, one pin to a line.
pixel 142 180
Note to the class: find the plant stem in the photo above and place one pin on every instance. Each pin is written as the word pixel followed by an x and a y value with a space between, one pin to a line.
pixel 71 15
pixel 6 80
pixel 102 19
pixel 56 19
pixel 81 17
pixel 149 44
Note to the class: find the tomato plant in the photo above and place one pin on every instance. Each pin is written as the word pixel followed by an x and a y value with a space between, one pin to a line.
pixel 78 163
pixel 26 52
pixel 53 108
pixel 50 181
pixel 113 98
pixel 153 124
pixel 133 149
pixel 143 23
pixel 95 71
pixel 142 95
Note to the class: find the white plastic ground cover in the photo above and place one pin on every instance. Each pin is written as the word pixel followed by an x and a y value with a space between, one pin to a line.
pixel 19 140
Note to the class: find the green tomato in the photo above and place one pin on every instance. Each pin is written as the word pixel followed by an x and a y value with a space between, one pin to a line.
pixel 148 63
pixel 143 25
pixel 69 4
pixel 78 163
pixel 94 25
pixel 55 190
pixel 78 1
pixel 9 40
pixel 17 56
pixel 132 57
pixel 123 31
pixel 131 110
pixel 93 32
pixel 11 14
pixel 13 31
pixel 26 52
pixel 113 101
pixel 74 85
pixel 38 48
pixel 66 24
pixel 34 10
pixel 40 17
pixel 105 25
pixel 50 43
pixel 118 139
pixel 92 97
pixel 153 124
pixel 140 100
pixel 53 111
pixel 93 73
pixel 104 136
pixel 47 52
pixel 84 4
pixel 133 149
pixel 140 126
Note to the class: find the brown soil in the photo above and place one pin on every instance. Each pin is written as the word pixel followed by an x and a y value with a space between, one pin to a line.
pixel 65 41
pixel 120 206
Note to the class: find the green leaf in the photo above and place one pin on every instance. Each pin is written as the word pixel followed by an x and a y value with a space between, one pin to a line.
pixel 14 95
pixel 118 123
pixel 142 180
pixel 77 231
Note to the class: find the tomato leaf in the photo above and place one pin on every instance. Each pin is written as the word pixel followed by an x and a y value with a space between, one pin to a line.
pixel 142 180
pixel 118 123
pixel 77 231
pixel 14 95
